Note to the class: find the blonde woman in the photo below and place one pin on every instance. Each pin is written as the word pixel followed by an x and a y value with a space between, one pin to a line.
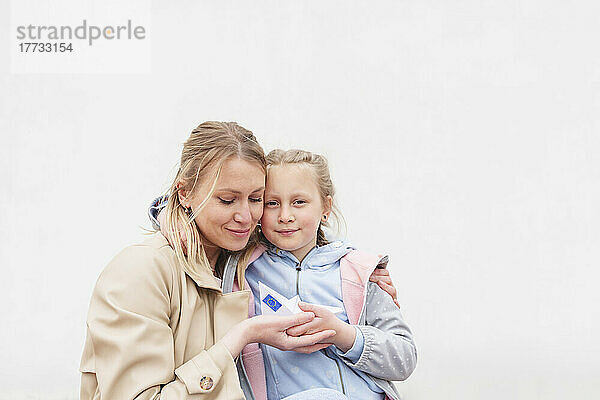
pixel 163 321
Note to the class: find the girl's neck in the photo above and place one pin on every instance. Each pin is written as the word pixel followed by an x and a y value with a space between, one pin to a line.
pixel 301 253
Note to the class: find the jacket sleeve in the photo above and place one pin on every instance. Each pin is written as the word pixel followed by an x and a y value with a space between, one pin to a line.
pixel 389 351
pixel 132 343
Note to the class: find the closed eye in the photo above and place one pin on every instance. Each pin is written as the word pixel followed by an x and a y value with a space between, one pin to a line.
pixel 224 201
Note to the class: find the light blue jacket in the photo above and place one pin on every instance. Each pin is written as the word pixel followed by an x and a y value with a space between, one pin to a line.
pixel 316 280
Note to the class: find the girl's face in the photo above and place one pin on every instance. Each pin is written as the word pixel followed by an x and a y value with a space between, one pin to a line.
pixel 232 212
pixel 293 209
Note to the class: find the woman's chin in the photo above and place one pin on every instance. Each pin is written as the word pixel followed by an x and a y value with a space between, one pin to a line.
pixel 235 244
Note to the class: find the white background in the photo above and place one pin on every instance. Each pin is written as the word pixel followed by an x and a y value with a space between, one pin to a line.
pixel 463 138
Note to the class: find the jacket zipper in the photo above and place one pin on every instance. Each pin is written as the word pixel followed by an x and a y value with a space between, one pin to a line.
pixel 298 269
pixel 338 368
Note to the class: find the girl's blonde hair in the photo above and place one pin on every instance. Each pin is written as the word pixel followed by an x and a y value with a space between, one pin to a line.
pixel 202 158
pixel 318 165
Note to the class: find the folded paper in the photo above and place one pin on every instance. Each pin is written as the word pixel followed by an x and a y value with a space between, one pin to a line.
pixel 274 303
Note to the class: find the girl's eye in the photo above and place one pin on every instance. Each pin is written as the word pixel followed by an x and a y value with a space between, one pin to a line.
pixel 256 199
pixel 224 201
pixel 300 202
pixel 271 203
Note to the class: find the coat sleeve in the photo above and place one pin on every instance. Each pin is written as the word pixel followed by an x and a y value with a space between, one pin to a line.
pixel 131 341
pixel 389 351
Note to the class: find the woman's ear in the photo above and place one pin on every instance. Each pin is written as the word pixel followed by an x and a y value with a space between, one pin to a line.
pixel 182 193
pixel 327 207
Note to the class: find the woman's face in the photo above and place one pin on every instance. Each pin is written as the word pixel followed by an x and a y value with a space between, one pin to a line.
pixel 231 213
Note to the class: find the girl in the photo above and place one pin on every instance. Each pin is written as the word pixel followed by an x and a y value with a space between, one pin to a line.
pixel 369 349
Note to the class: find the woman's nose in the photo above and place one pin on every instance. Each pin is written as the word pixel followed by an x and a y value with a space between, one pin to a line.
pixel 243 215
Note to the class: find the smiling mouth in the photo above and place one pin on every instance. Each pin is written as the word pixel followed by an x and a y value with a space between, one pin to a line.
pixel 287 232
pixel 241 233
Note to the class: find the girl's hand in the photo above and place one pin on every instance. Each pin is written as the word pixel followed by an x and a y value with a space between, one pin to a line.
pixel 381 276
pixel 324 320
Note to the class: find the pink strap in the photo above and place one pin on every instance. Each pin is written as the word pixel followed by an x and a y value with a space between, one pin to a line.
pixel 256 253
pixel 252 357
pixel 355 269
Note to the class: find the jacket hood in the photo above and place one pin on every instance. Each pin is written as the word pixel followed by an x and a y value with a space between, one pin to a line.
pixel 319 256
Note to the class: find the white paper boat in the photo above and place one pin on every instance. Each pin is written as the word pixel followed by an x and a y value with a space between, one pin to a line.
pixel 272 302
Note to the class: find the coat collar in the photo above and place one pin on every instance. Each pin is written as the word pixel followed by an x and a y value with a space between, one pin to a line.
pixel 203 278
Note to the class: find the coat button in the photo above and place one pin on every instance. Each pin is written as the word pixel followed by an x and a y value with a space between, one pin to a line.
pixel 206 383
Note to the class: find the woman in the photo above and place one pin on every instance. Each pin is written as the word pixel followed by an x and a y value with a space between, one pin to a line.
pixel 160 324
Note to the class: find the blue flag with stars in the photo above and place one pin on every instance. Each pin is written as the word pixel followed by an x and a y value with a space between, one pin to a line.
pixel 271 302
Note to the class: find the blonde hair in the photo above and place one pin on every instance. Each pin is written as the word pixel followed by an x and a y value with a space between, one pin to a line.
pixel 320 168
pixel 203 155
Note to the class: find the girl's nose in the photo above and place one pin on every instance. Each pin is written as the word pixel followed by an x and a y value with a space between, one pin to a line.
pixel 286 217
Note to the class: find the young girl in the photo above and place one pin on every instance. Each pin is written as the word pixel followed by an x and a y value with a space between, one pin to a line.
pixel 372 345
pixel 297 259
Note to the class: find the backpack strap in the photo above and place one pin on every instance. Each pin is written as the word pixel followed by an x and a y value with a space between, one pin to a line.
pixel 256 253
pixel 251 355
pixel 355 269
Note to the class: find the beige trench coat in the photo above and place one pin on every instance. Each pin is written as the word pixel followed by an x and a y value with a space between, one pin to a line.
pixel 153 332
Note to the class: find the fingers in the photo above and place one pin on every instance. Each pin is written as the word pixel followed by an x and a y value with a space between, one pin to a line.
pixel 309 340
pixel 302 318
pixel 380 272
pixel 297 330
pixel 385 279
pixel 378 277
pixel 309 327
pixel 317 310
pixel 287 321
pixel 313 348
pixel 388 288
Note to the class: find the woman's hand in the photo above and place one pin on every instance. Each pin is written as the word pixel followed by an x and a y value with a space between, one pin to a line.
pixel 324 320
pixel 381 276
pixel 272 330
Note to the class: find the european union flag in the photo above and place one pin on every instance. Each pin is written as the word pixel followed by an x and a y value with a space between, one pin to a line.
pixel 271 302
